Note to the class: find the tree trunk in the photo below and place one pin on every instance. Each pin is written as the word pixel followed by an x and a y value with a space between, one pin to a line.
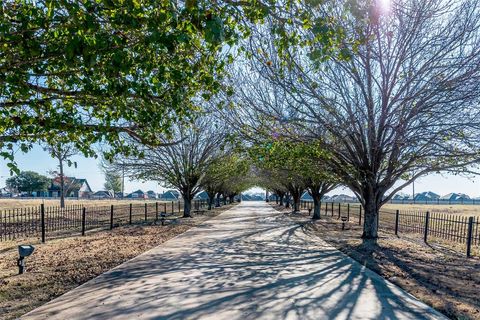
pixel 62 185
pixel 296 195
pixel 296 203
pixel 287 201
pixel 224 200
pixel 217 204
pixel 187 206
pixel 316 207
pixel 281 198
pixel 211 199
pixel 370 221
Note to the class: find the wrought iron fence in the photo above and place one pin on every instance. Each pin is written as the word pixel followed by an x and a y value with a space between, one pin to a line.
pixel 432 226
pixel 52 221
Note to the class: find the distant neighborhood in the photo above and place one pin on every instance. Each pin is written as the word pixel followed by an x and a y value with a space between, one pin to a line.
pixel 79 188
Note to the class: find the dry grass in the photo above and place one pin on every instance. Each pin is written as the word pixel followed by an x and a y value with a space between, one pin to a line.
pixel 458 209
pixel 60 265
pixel 14 203
pixel 443 279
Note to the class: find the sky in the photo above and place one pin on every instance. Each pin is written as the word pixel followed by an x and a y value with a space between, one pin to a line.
pixel 40 161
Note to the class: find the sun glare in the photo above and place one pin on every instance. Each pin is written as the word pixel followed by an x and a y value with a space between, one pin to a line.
pixel 384 5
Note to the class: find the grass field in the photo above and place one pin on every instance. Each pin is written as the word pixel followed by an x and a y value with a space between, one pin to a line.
pixel 458 209
pixel 15 203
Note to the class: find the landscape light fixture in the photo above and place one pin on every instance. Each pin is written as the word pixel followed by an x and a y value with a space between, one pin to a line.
pixel 344 219
pixel 23 251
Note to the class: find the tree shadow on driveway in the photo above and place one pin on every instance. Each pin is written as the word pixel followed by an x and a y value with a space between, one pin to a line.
pixel 248 263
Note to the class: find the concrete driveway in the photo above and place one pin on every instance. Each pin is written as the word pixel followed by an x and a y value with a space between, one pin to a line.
pixel 250 262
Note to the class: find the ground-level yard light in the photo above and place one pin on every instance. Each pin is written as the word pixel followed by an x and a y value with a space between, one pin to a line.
pixel 344 219
pixel 23 251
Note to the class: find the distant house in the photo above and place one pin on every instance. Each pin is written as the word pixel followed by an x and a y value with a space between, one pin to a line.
pixel 455 197
pixel 4 192
pixel 170 195
pixel 102 194
pixel 426 196
pixel 202 196
pixel 342 198
pixel 74 188
pixel 246 197
pixel 306 197
pixel 151 194
pixel 139 194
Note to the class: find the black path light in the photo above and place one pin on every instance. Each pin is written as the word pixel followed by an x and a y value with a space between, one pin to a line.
pixel 23 251
pixel 344 219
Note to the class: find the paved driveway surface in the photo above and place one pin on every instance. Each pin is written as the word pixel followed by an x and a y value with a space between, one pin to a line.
pixel 248 263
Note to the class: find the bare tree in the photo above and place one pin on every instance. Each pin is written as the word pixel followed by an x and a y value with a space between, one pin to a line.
pixel 183 164
pixel 399 103
pixel 63 153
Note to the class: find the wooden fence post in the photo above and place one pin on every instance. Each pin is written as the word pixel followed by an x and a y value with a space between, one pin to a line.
pixel 397 216
pixel 179 206
pixel 165 207
pixel 348 211
pixel 111 217
pixel 146 211
pixel 425 233
pixel 332 209
pixel 42 221
pixel 156 211
pixel 339 210
pixel 84 220
pixel 469 236
pixel 360 216
pixel 173 208
pixel 130 215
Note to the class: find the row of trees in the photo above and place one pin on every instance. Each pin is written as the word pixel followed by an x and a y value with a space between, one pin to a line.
pixel 193 158
pixel 331 92
pixel 396 99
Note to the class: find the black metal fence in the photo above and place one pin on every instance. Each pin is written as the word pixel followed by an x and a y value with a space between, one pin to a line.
pixel 51 222
pixel 452 229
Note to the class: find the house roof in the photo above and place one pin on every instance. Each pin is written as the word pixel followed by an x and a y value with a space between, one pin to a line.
pixel 77 184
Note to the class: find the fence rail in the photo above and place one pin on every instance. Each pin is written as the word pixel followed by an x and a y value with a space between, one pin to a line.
pixel 52 221
pixel 433 226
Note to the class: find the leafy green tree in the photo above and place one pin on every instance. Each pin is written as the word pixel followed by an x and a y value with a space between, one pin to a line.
pixel 113 181
pixel 28 181
pixel 98 70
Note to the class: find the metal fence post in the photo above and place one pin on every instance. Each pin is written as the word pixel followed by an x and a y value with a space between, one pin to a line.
pixel 42 221
pixel 427 219
pixel 130 215
pixel 469 236
pixel 397 216
pixel 146 211
pixel 360 216
pixel 111 217
pixel 84 220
